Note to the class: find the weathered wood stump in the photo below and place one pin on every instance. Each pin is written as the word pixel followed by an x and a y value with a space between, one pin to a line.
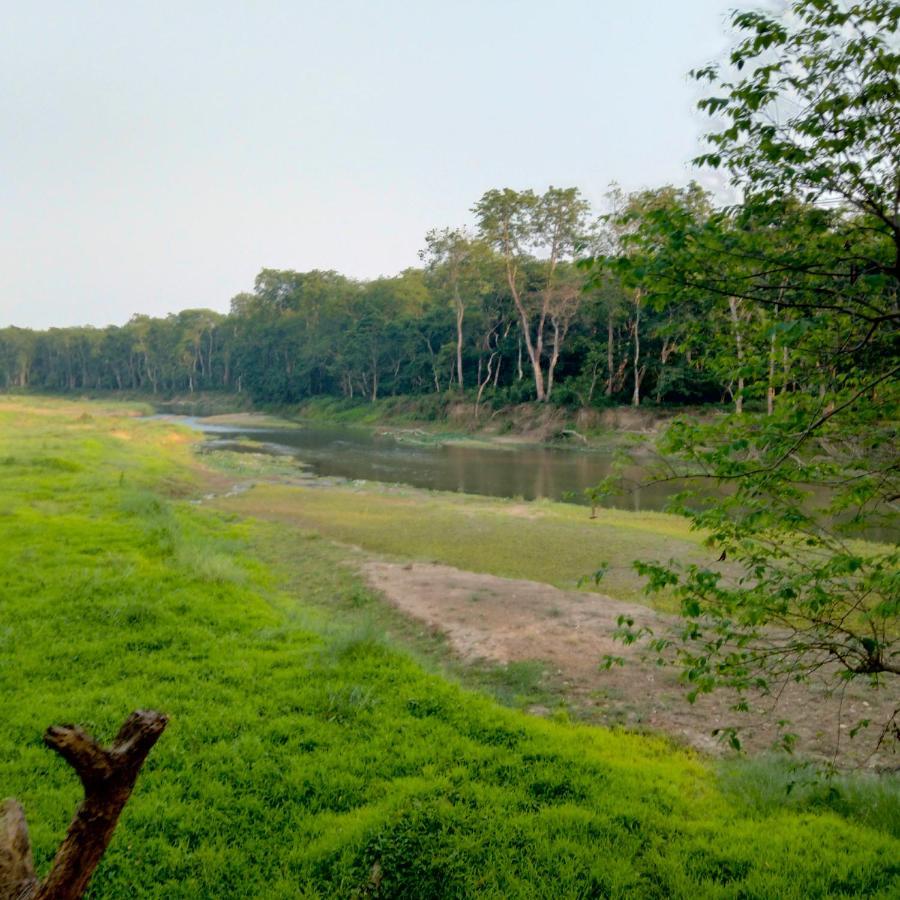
pixel 108 775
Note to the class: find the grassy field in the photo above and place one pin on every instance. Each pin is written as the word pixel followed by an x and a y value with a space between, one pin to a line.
pixel 306 757
pixel 556 543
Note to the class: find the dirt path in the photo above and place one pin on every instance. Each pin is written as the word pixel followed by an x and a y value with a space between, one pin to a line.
pixel 499 620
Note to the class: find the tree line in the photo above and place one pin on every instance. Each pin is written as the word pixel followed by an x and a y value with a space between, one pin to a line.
pixel 516 309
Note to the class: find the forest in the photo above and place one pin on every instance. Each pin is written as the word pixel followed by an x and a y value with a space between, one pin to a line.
pixel 532 305
pixel 664 298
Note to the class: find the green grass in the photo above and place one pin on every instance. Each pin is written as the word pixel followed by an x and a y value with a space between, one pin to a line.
pixel 305 757
pixel 362 613
pixel 450 418
pixel 771 782
pixel 386 410
pixel 556 543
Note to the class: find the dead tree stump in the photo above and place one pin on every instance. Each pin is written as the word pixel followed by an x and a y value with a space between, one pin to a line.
pixel 108 775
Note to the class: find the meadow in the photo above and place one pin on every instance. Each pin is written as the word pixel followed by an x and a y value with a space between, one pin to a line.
pixel 540 540
pixel 308 756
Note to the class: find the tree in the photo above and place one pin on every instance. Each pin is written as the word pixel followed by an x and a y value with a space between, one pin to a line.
pixel 452 257
pixel 812 140
pixel 638 253
pixel 16 356
pixel 515 223
pixel 108 776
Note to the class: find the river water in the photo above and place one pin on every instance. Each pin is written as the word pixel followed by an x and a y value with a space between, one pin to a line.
pixel 500 471
pixel 528 472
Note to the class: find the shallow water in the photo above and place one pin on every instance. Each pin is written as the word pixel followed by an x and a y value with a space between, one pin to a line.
pixel 499 471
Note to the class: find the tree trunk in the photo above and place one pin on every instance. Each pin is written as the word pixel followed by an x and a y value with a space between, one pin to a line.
pixel 739 350
pixel 610 351
pixel 594 369
pixel 460 315
pixel 534 351
pixel 668 347
pixel 534 357
pixel 770 390
pixel 434 369
pixel 636 395
pixel 108 777
pixel 483 384
pixel 559 335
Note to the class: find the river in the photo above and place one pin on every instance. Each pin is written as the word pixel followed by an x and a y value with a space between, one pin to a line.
pixel 528 472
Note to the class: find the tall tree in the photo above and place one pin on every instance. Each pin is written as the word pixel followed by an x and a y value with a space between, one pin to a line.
pixel 516 223
pixel 451 257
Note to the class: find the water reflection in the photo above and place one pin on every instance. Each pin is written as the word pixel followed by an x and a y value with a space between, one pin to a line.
pixel 527 472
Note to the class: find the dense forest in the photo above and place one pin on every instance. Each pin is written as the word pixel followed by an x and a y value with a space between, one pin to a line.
pixel 518 309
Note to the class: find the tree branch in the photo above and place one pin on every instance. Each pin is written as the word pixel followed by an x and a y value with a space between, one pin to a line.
pixel 108 776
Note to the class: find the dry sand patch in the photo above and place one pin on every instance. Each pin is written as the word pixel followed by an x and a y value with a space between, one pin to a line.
pixel 500 620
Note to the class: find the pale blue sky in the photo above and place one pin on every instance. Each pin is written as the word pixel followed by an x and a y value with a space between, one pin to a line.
pixel 155 155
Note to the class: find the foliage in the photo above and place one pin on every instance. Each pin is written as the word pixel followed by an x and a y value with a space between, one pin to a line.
pixel 808 267
pixel 770 782
pixel 507 319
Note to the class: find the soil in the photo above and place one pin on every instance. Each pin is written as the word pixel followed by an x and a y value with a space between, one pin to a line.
pixel 493 620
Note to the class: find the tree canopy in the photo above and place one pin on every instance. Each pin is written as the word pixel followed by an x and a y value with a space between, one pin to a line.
pixel 807 268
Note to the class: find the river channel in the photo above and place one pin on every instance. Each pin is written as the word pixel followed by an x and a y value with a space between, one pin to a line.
pixel 516 470
pixel 528 472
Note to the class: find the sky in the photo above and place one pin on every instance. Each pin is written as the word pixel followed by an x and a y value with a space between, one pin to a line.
pixel 155 155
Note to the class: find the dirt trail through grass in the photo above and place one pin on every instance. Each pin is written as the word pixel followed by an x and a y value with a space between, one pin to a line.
pixel 497 578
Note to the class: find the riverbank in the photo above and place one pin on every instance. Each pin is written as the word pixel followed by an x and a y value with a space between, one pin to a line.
pixel 506 583
pixel 445 420
pixel 432 419
pixel 308 751
pixel 437 422
pixel 449 418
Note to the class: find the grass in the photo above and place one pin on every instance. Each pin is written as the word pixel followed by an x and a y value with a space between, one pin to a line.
pixel 361 612
pixel 249 419
pixel 771 782
pixel 305 756
pixel 450 418
pixel 393 410
pixel 556 543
